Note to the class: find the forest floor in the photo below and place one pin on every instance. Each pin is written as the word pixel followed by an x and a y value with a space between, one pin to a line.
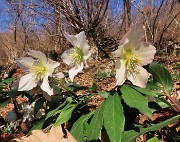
pixel 104 77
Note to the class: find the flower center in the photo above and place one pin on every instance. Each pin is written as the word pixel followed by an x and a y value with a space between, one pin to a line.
pixel 77 55
pixel 131 61
pixel 39 69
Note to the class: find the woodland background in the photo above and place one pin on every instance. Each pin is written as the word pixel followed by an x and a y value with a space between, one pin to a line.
pixel 38 24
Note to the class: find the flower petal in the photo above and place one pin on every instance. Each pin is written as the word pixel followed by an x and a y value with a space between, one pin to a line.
pixel 59 75
pixel 45 86
pixel 134 35
pixel 118 52
pixel 39 55
pixel 78 40
pixel 51 65
pixel 87 54
pixel 75 70
pixel 72 39
pixel 120 72
pixel 27 82
pixel 66 56
pixel 81 37
pixel 140 79
pixel 146 53
pixel 25 63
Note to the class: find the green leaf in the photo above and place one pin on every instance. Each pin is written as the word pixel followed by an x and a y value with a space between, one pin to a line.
pixel 38 105
pixel 154 139
pixel 96 124
pixel 94 87
pixel 13 93
pixel 56 90
pixel 113 117
pixel 153 86
pixel 79 127
pixel 53 112
pixel 130 136
pixel 2 85
pixel 161 75
pixel 9 80
pixel 135 100
pixel 163 103
pixel 146 91
pixel 38 125
pixel 5 103
pixel 65 114
pixel 103 94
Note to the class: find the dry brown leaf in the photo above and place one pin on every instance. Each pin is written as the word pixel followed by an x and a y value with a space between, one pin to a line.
pixel 55 135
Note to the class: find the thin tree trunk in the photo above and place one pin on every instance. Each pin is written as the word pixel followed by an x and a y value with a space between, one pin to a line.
pixel 127 14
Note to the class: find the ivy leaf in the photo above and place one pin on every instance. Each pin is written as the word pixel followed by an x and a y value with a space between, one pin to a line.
pixel 161 75
pixel 131 135
pixel 79 127
pixel 113 117
pixel 135 100
pixel 96 124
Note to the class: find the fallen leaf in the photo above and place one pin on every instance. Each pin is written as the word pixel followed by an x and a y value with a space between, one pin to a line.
pixel 56 135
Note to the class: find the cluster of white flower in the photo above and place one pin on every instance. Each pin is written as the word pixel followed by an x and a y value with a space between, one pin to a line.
pixel 131 55
pixel 27 112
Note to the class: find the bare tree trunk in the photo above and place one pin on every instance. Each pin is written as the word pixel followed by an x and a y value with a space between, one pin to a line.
pixel 15 30
pixel 127 14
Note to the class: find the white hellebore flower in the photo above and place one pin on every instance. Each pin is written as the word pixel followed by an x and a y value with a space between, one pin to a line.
pixel 132 55
pixel 38 69
pixel 76 56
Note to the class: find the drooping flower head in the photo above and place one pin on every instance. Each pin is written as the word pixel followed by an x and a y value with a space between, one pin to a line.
pixel 38 68
pixel 78 55
pixel 132 54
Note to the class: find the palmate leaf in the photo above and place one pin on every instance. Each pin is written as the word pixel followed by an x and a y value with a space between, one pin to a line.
pixel 79 127
pixel 161 75
pixel 96 124
pixel 135 100
pixel 113 116
pixel 131 135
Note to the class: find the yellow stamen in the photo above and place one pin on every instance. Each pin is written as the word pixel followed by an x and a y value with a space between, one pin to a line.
pixel 77 55
pixel 131 61
pixel 39 69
